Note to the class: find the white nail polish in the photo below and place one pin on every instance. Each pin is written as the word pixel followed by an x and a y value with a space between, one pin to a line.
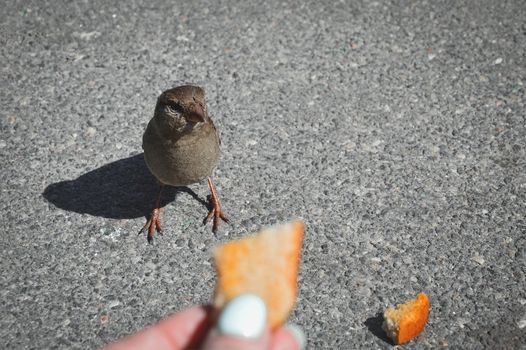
pixel 298 334
pixel 244 316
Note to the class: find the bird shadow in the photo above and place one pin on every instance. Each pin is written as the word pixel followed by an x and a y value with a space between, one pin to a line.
pixel 124 189
pixel 374 324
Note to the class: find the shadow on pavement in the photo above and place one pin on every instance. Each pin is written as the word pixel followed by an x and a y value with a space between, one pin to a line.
pixel 374 324
pixel 123 189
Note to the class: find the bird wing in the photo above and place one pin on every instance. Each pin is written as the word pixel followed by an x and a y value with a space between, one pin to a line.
pixel 215 130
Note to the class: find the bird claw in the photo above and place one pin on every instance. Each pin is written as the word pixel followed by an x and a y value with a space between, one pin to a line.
pixel 153 224
pixel 217 214
pixel 215 210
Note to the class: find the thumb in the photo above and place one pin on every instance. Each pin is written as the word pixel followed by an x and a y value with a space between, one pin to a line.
pixel 241 325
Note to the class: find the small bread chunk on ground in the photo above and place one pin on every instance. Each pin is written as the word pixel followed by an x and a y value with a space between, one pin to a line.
pixel 407 320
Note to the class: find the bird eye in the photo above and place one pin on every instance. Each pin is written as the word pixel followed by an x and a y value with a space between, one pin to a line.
pixel 174 107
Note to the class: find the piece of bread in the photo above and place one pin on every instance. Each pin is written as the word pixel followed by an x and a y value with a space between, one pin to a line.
pixel 265 264
pixel 407 320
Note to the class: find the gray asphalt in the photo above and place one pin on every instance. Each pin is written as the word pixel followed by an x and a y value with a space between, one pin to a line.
pixel 395 129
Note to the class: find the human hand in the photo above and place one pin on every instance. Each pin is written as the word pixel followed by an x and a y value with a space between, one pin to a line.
pixel 240 325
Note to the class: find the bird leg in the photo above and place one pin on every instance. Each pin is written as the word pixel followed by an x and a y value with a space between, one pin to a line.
pixel 215 210
pixel 154 223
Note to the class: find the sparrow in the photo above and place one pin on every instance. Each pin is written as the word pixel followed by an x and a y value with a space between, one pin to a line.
pixel 181 147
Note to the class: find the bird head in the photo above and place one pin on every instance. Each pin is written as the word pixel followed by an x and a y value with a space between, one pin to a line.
pixel 181 109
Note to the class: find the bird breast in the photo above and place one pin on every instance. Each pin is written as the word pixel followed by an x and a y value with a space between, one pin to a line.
pixel 185 160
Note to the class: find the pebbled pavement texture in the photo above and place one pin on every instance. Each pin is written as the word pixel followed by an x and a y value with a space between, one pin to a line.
pixel 395 129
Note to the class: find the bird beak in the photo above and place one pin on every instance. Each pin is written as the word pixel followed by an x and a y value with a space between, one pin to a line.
pixel 196 114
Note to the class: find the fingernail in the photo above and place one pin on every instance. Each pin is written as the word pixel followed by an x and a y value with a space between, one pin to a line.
pixel 298 334
pixel 244 316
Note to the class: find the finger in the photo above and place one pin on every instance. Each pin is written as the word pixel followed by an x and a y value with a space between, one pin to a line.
pixel 219 341
pixel 175 332
pixel 241 325
pixel 290 337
